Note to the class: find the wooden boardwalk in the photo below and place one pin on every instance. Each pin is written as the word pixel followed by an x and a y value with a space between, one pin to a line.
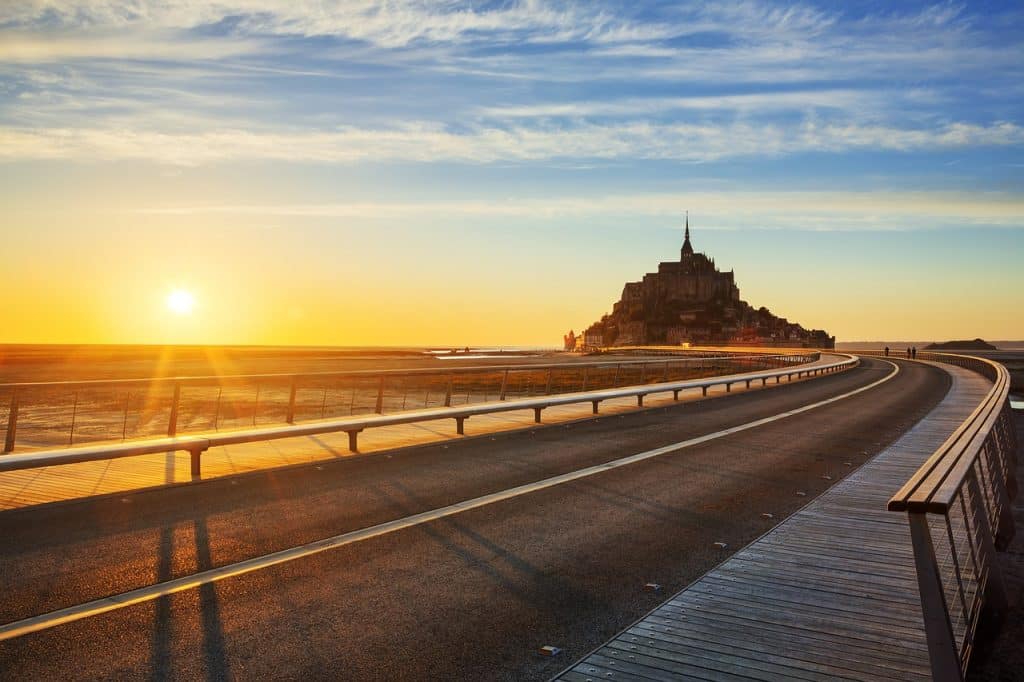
pixel 828 594
pixel 71 481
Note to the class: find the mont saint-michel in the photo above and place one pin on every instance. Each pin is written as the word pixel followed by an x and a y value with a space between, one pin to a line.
pixel 691 301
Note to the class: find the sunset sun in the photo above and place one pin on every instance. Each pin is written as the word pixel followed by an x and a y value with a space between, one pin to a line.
pixel 180 302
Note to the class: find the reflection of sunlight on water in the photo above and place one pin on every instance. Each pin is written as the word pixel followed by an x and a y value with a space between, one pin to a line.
pixel 476 357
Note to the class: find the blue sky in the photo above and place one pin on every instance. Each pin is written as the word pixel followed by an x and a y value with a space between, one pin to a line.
pixel 568 136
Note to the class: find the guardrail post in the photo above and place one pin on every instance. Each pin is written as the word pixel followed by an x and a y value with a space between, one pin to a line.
pixel 448 393
pixel 74 415
pixel 195 455
pixel 639 399
pixel 942 649
pixel 547 388
pixel 585 372
pixel 124 422
pixel 536 414
pixel 216 411
pixel 704 391
pixel 379 409
pixel 504 385
pixel 12 422
pixel 290 418
pixel 172 422
pixel 353 443
pixel 460 423
pixel 595 402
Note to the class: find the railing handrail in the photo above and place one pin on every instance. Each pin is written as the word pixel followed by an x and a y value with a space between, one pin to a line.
pixel 683 356
pixel 958 510
pixel 353 425
pixel 467 411
pixel 934 485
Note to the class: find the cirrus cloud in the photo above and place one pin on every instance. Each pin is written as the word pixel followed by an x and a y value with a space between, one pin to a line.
pixel 428 143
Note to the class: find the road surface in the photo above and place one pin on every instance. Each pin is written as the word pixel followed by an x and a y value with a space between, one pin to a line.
pixel 471 596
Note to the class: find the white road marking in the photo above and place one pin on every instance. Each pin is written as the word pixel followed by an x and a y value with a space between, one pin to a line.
pixel 144 594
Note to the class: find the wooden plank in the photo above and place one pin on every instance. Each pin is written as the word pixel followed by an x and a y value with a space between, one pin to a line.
pixel 824 619
pixel 668 655
pixel 888 611
pixel 764 639
pixel 820 658
pixel 795 635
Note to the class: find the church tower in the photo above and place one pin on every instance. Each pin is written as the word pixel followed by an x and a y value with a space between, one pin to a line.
pixel 687 247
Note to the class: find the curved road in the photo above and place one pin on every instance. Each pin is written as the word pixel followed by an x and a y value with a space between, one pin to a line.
pixel 472 595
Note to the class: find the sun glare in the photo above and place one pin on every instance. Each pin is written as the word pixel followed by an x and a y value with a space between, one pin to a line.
pixel 180 301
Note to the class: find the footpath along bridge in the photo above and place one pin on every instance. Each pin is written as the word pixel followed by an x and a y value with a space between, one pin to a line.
pixel 845 588
pixel 465 557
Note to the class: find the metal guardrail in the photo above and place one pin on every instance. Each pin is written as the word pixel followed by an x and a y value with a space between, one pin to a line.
pixel 196 445
pixel 172 405
pixel 958 505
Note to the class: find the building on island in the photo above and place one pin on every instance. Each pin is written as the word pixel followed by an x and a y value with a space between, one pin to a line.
pixel 691 301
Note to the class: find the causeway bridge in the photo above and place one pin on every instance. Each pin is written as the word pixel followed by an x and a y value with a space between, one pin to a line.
pixel 740 515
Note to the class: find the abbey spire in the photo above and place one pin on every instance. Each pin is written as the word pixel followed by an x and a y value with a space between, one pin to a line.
pixel 687 247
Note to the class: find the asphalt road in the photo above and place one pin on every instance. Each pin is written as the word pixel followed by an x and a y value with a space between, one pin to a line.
pixel 472 596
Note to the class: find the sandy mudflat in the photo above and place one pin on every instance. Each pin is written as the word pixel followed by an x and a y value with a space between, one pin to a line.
pixel 62 415
pixel 22 363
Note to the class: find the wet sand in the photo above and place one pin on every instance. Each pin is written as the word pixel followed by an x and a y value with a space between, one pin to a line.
pixel 30 363
pixel 64 415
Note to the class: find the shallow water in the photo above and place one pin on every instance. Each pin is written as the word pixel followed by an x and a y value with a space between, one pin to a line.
pixel 464 356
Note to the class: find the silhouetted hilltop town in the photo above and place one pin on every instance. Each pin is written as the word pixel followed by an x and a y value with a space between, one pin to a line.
pixel 691 301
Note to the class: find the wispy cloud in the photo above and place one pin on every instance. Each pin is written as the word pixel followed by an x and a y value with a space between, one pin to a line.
pixel 36 49
pixel 426 142
pixel 394 24
pixel 716 210
pixel 769 102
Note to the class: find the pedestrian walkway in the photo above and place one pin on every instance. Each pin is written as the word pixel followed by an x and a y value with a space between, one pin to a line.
pixel 831 593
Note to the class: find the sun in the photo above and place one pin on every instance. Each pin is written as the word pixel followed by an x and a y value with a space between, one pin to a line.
pixel 181 302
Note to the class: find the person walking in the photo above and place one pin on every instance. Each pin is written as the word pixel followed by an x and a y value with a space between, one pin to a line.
pixel 887 351
pixel 908 352
pixel 913 352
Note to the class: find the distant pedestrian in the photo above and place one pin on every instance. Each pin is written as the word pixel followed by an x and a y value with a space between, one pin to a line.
pixel 913 352
pixel 887 351
pixel 908 351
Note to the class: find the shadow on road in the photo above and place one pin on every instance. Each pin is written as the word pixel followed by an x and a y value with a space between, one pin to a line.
pixel 214 655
